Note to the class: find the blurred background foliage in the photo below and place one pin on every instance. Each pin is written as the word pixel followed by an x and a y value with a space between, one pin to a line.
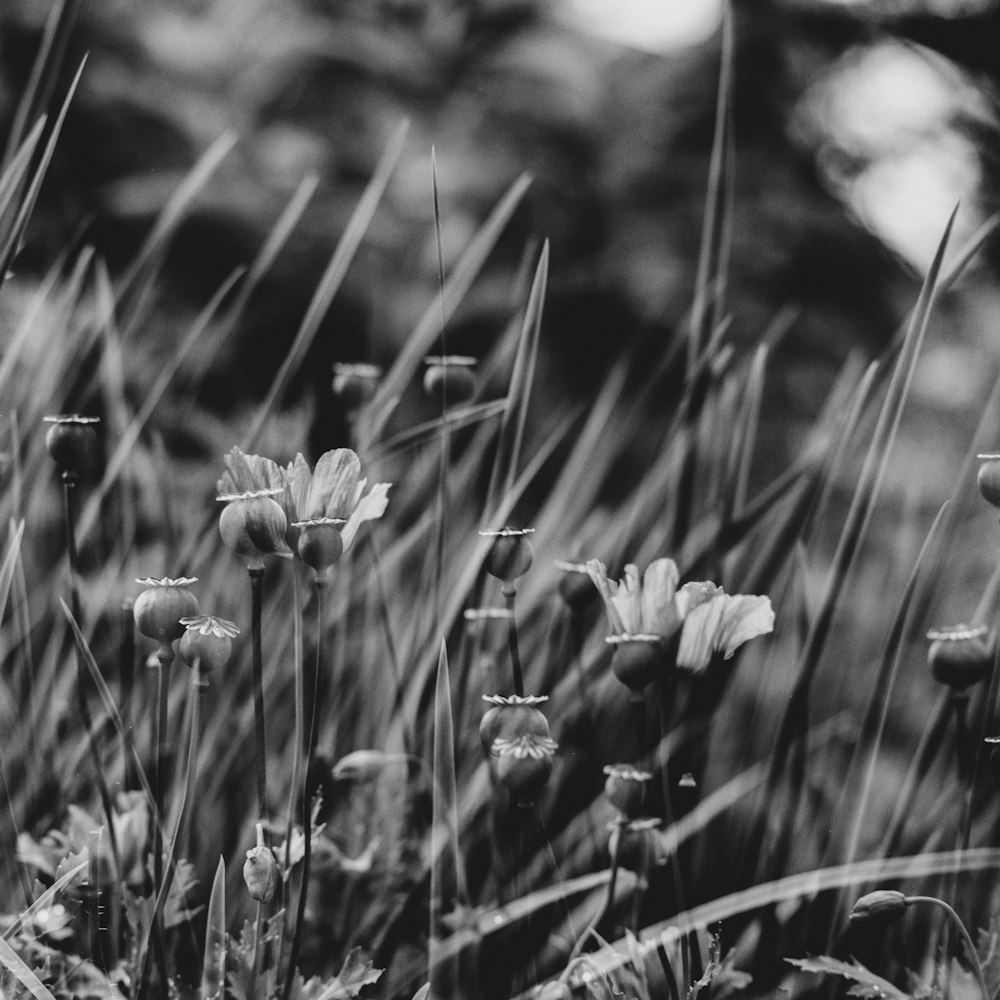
pixel 858 125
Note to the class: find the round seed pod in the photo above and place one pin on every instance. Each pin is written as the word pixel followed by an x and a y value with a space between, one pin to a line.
pixel 159 609
pixel 576 588
pixel 637 659
pixel 320 542
pixel 72 443
pixel 355 384
pixel 524 776
pixel 207 642
pixel 511 717
pixel 260 870
pixel 883 904
pixel 253 525
pixel 511 553
pixel 633 842
pixel 989 479
pixel 961 655
pixel 450 379
pixel 625 789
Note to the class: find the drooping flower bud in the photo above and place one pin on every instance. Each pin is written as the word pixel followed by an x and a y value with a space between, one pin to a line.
pixel 207 642
pixel 72 443
pixel 260 870
pixel 637 659
pixel 524 765
pixel 253 525
pixel 961 655
pixel 320 542
pixel 882 904
pixel 626 788
pixel 450 379
pixel 511 553
pixel 159 609
pixel 510 717
pixel 355 384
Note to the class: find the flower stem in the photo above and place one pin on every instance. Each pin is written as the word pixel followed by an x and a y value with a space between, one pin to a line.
pixel 319 585
pixel 509 596
pixel 164 660
pixel 970 947
pixel 609 899
pixel 256 605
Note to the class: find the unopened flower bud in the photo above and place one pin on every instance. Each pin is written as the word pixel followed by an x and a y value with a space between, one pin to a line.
pixel 159 609
pixel 511 553
pixel 260 870
pixel 253 525
pixel 625 788
pixel 450 379
pixel 72 443
pixel 882 904
pixel 961 655
pixel 510 717
pixel 638 659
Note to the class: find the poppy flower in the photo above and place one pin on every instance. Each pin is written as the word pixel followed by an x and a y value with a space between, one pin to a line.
pixel 707 619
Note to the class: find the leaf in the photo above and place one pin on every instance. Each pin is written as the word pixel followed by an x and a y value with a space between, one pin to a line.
pixel 213 970
pixel 356 973
pixel 867 983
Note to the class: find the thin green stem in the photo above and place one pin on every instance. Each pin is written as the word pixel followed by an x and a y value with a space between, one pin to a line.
pixel 256 605
pixel 970 947
pixel 609 898
pixel 319 586
pixel 517 674
pixel 164 660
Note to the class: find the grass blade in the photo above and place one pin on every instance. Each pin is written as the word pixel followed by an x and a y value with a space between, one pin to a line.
pixel 13 963
pixel 330 283
pixel 213 969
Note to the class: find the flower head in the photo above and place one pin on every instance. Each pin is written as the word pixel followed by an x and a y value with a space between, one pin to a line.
pixel 708 619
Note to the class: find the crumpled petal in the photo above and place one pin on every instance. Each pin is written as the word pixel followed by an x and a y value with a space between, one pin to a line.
pixel 249 473
pixel 659 613
pixel 333 492
pixel 724 622
pixel 627 600
pixel 598 572
pixel 369 508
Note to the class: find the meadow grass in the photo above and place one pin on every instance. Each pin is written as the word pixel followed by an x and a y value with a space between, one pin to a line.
pixel 388 853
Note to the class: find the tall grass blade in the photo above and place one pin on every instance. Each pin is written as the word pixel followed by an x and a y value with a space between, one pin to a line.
pixel 213 969
pixel 44 72
pixel 331 280
pixel 390 391
pixel 148 259
pixel 12 241
pixel 447 887
pixel 519 392
pixel 14 964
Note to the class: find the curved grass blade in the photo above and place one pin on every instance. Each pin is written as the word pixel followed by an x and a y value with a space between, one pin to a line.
pixel 15 965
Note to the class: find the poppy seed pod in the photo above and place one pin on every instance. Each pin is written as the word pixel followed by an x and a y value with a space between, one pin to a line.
pixel 625 789
pixel 510 717
pixel 510 555
pixel 159 609
pixel 207 642
pixel 450 379
pixel 883 904
pixel 961 655
pixel 253 525
pixel 631 843
pixel 989 478
pixel 355 384
pixel 320 542
pixel 260 870
pixel 524 766
pixel 576 588
pixel 637 659
pixel 72 443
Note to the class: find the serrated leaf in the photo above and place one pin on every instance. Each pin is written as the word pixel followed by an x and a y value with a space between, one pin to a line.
pixel 868 984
